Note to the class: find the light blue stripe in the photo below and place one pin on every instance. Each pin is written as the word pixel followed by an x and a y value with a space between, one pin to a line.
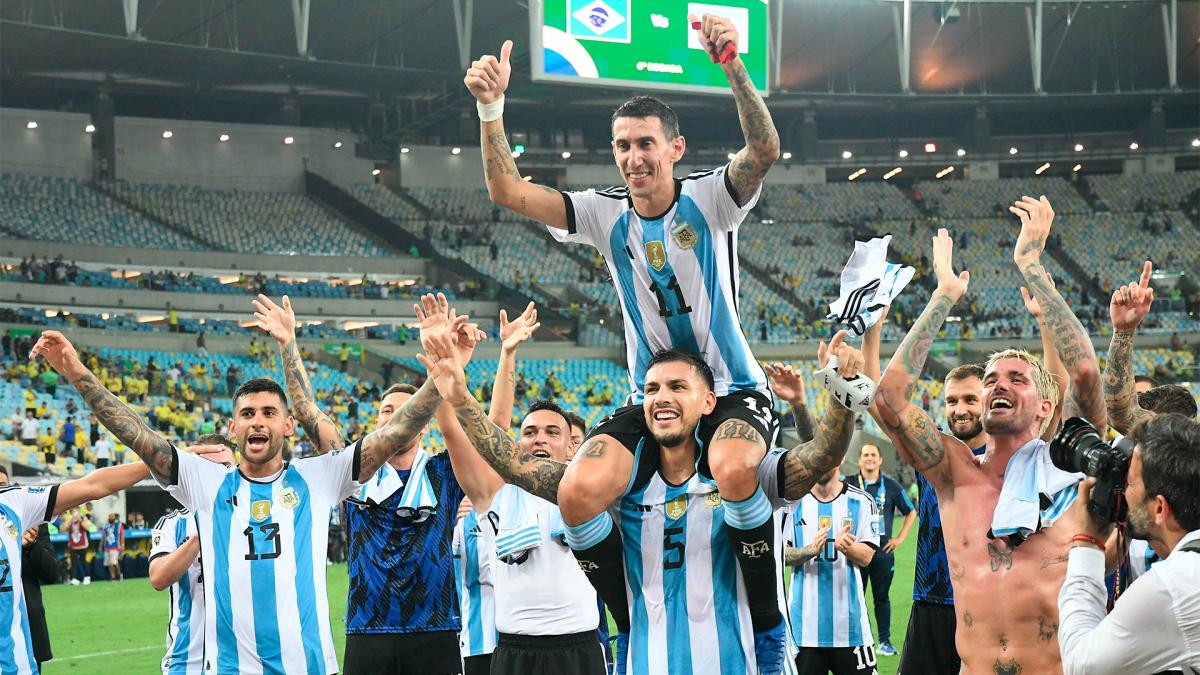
pixel 825 586
pixel 675 591
pixel 183 590
pixel 522 538
pixel 587 535
pixel 797 588
pixel 263 598
pixel 679 326
pixel 724 325
pixel 617 241
pixel 306 582
pixel 638 657
pixel 854 584
pixel 470 565
pixel 227 651
pixel 725 588
pixel 25 633
pixel 8 652
pixel 748 513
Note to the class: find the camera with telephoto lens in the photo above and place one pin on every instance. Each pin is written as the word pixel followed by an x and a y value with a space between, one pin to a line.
pixel 1079 447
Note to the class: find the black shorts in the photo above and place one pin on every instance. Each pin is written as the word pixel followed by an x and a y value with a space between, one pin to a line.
pixel 577 654
pixel 477 665
pixel 628 426
pixel 929 641
pixel 434 653
pixel 836 660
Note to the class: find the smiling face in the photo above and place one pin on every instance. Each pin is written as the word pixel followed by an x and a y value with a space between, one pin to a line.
pixel 676 397
pixel 260 425
pixel 869 458
pixel 1012 405
pixel 545 434
pixel 964 407
pixel 645 156
pixel 388 407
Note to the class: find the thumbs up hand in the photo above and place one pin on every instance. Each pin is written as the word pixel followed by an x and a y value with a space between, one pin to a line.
pixel 487 78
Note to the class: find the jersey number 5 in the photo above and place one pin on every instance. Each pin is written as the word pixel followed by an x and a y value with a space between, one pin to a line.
pixel 681 306
pixel 270 535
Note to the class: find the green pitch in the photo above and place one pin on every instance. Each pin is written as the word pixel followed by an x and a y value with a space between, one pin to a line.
pixel 120 627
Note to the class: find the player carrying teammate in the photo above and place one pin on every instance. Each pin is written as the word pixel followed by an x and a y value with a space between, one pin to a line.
pixel 670 245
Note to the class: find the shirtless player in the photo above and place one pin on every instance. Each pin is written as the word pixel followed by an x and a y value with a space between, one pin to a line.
pixel 1005 596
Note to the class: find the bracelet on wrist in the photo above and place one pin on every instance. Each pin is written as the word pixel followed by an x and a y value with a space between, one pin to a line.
pixel 1083 538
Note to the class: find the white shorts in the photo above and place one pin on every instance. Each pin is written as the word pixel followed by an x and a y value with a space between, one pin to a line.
pixel 112 558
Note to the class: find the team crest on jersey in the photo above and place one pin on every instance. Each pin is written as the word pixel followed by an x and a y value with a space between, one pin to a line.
pixel 712 500
pixel 824 522
pixel 847 522
pixel 684 234
pixel 260 510
pixel 677 507
pixel 12 530
pixel 656 255
pixel 288 499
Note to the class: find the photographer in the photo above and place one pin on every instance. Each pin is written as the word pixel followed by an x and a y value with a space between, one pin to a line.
pixel 1155 625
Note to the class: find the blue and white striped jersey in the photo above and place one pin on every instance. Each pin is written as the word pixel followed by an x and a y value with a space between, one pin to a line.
pixel 827 604
pixel 1141 558
pixel 263 546
pixel 676 274
pixel 20 509
pixel 476 597
pixel 185 627
pixel 689 612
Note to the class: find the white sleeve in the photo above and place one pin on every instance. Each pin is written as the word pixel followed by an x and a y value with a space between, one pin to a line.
pixel 1140 635
pixel 714 194
pixel 867 527
pixel 162 537
pixel 769 470
pixel 196 481
pixel 585 218
pixel 34 505
pixel 333 474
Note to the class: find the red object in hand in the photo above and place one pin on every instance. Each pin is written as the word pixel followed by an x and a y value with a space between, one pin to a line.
pixel 728 53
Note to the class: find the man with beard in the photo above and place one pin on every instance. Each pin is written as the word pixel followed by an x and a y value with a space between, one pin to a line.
pixel 990 543
pixel 265 522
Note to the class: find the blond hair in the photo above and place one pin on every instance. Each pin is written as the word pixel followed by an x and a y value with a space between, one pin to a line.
pixel 1047 387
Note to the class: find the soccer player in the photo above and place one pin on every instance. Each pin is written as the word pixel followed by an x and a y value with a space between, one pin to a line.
pixel 22 508
pixel 402 614
pixel 175 564
pixel 477 598
pixel 113 542
pixel 670 245
pixel 1013 630
pixel 832 534
pixel 889 496
pixel 690 610
pixel 265 522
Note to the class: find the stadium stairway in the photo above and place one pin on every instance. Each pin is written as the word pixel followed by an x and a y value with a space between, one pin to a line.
pixel 107 190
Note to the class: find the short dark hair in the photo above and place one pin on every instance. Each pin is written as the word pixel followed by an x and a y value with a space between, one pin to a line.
pixel 215 439
pixel 965 372
pixel 1145 378
pixel 1168 398
pixel 1170 446
pixel 575 420
pixel 258 385
pixel 694 360
pixel 4 470
pixel 546 404
pixel 648 106
pixel 399 388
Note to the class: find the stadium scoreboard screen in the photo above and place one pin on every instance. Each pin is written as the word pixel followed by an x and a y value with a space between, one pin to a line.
pixel 646 44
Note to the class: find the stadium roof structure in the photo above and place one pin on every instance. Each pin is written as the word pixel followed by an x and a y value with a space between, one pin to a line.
pixel 397 65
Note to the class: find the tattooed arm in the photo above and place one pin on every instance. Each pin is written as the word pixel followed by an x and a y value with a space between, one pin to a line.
pixel 280 322
pixel 1129 305
pixel 401 431
pixel 1083 397
pixel 806 463
pixel 156 451
pixel 536 475
pixel 913 432
pixel 1049 358
pixel 750 165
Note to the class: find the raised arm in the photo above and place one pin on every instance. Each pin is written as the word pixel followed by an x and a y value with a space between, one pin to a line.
pixel 126 425
pixel 1070 339
pixel 280 322
pixel 512 334
pixel 913 432
pixel 1053 364
pixel 751 163
pixel 535 475
pixel 99 484
pixel 487 80
pixel 871 346
pixel 1127 309
pixel 806 463
pixel 788 385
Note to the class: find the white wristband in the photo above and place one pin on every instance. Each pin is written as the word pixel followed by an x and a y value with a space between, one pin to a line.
pixel 489 112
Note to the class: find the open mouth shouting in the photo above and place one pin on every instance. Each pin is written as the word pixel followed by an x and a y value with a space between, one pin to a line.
pixel 257 442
